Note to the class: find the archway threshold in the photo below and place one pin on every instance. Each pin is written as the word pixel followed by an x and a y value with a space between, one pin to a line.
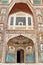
pixel 21 64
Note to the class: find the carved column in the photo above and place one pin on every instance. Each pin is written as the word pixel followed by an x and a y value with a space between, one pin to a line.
pixel 4 53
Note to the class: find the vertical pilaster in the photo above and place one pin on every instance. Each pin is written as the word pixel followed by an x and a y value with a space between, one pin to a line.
pixel 4 53
pixel 36 53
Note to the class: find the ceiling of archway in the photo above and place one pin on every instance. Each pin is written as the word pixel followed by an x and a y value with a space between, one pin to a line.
pixel 20 7
pixel 20 40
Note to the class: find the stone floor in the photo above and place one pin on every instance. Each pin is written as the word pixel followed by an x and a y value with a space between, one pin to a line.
pixel 21 64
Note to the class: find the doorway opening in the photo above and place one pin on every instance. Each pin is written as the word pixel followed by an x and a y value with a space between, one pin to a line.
pixel 20 56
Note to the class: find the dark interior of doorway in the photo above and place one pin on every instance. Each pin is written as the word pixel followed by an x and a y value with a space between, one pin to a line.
pixel 18 56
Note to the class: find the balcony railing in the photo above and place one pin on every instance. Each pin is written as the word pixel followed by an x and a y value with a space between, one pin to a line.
pixel 20 27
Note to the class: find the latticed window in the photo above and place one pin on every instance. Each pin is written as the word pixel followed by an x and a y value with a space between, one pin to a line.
pixel 20 20
pixel 12 20
pixel 37 1
pixel 29 20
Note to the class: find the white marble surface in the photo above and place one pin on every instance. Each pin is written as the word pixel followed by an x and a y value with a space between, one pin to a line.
pixel 21 64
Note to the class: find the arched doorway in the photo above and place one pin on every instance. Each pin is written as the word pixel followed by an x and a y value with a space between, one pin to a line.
pixel 20 56
pixel 20 48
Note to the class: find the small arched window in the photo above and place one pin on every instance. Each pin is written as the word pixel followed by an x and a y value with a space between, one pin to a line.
pixel 20 21
pixel 5 1
pixel 37 2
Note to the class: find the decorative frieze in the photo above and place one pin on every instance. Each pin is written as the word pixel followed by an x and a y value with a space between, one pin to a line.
pixel 40 27
pixel 20 31
pixel 3 11
pixel 1 27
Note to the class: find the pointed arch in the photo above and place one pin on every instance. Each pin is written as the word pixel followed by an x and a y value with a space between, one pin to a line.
pixel 18 6
pixel 19 39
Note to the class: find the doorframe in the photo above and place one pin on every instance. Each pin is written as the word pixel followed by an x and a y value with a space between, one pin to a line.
pixel 20 49
pixel 23 53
